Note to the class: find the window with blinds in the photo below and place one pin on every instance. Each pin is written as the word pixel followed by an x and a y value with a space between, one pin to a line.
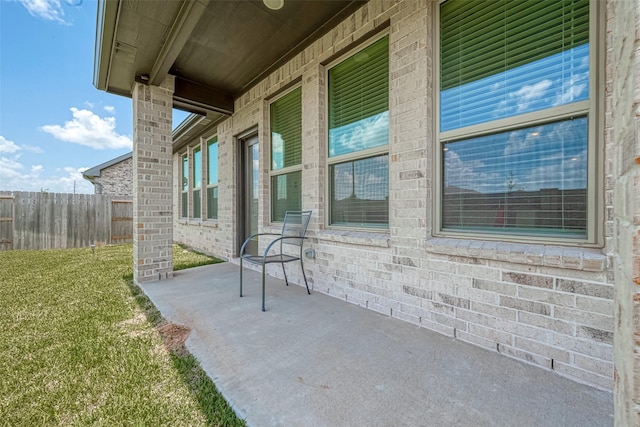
pixel 212 178
pixel 285 116
pixel 360 192
pixel 185 187
pixel 197 182
pixel 358 116
pixel 516 108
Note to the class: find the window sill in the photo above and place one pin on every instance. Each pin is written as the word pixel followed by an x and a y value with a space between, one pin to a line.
pixel 360 238
pixel 574 258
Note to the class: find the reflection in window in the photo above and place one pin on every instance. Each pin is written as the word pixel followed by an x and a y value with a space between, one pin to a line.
pixel 185 187
pixel 212 178
pixel 360 192
pixel 285 116
pixel 503 58
pixel 369 132
pixel 359 100
pixel 286 130
pixel 285 194
pixel 197 182
pixel 548 82
pixel 197 168
pixel 358 95
pixel 531 180
pixel 524 174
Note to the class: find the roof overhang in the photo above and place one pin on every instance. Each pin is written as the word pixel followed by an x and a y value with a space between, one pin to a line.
pixel 216 50
pixel 194 126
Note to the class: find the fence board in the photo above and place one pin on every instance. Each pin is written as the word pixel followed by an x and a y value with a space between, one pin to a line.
pixel 32 220
pixel 121 221
pixel 6 222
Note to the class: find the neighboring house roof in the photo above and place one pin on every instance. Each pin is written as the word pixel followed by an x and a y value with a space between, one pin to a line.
pixel 95 171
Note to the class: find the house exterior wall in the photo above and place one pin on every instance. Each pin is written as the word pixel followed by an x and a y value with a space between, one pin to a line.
pixel 552 306
pixel 115 180
pixel 623 144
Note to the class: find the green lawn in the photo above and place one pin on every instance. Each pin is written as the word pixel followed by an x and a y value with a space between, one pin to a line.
pixel 81 345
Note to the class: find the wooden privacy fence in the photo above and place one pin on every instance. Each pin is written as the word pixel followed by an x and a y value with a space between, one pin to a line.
pixel 54 220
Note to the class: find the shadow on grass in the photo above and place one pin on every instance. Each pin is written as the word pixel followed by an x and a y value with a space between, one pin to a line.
pixel 189 258
pixel 213 406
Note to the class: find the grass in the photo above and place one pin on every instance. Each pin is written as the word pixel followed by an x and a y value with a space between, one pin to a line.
pixel 81 345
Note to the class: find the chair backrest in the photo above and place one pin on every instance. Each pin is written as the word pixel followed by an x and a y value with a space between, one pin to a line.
pixel 295 225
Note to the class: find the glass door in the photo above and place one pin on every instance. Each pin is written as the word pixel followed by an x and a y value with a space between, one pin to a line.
pixel 250 188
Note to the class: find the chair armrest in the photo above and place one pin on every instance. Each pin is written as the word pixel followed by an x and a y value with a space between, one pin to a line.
pixel 266 251
pixel 253 236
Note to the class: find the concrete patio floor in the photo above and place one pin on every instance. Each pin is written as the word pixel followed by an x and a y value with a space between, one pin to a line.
pixel 314 360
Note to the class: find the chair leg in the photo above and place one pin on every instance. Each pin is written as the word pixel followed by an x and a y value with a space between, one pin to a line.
pixel 305 276
pixel 240 277
pixel 285 274
pixel 263 268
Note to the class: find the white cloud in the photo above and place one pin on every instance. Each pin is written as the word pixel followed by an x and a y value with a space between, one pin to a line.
pixel 32 149
pixel 9 169
pixel 529 93
pixel 90 130
pixel 369 132
pixel 110 109
pixel 7 146
pixel 50 10
pixel 470 175
pixel 14 176
pixel 11 147
pixel 566 173
pixel 546 156
pixel 522 140
pixel 573 89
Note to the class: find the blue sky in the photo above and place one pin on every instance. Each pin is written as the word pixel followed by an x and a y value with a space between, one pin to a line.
pixel 54 123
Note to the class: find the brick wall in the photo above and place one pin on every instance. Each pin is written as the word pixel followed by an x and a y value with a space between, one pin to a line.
pixel 116 180
pixel 547 305
pixel 152 181
pixel 623 155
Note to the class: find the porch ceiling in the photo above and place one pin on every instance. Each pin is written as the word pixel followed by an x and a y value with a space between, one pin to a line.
pixel 215 49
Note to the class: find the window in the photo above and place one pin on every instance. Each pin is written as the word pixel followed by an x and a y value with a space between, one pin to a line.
pixel 286 154
pixel 212 178
pixel 185 187
pixel 359 138
pixel 517 118
pixel 197 182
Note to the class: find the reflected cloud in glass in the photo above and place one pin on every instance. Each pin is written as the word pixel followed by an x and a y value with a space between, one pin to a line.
pixel 361 135
pixel 555 80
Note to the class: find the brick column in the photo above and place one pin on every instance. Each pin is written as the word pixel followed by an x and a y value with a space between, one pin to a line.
pixel 623 28
pixel 313 146
pixel 152 182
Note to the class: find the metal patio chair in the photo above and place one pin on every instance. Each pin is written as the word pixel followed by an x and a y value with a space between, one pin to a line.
pixel 294 228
